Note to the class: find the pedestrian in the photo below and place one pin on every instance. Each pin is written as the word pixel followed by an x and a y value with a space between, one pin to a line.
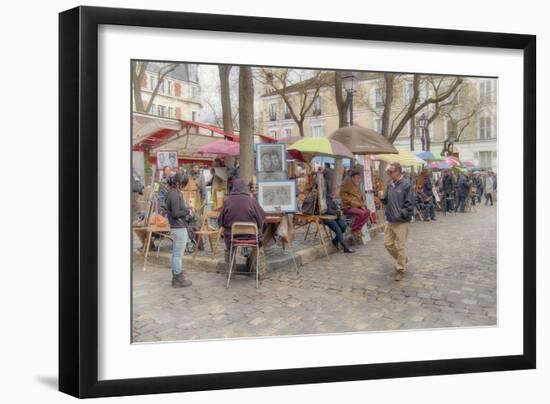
pixel 178 216
pixel 462 192
pixel 489 189
pixel 449 185
pixel 479 187
pixel 199 180
pixel 353 202
pixel 163 189
pixel 397 199
pixel 428 194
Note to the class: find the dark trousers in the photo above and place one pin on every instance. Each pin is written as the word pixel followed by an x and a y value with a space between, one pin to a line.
pixel 338 226
pixel 460 204
pixel 429 210
pixel 449 201
pixel 487 197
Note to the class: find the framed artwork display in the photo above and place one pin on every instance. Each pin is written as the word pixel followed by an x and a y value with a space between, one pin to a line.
pixel 456 314
pixel 277 196
pixel 270 157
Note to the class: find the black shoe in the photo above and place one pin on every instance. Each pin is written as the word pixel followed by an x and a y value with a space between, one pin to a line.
pixel 346 248
pixel 335 243
pixel 433 218
pixel 178 281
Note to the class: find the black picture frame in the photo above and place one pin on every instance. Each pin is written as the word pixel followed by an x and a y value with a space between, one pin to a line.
pixel 78 196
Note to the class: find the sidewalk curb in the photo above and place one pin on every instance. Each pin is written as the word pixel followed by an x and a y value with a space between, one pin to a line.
pixel 207 264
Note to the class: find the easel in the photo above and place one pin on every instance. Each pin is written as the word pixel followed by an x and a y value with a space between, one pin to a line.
pixel 317 219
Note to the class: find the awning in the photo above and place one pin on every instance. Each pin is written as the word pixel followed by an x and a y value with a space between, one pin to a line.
pixel 158 133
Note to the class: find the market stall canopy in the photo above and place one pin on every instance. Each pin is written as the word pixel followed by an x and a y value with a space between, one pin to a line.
pixel 403 157
pixel 362 140
pixel 158 133
pixel 310 147
pixel 220 147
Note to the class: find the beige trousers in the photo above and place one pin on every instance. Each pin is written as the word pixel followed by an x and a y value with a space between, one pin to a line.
pixel 395 238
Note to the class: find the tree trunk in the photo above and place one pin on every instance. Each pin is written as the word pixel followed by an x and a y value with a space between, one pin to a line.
pixel 227 115
pixel 427 138
pixel 246 123
pixel 389 79
pixel 301 128
pixel 413 131
pixel 341 102
pixel 138 70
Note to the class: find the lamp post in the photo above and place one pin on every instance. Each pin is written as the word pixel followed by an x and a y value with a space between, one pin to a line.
pixel 423 124
pixel 349 82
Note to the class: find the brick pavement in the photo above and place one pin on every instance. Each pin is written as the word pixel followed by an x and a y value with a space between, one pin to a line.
pixel 450 282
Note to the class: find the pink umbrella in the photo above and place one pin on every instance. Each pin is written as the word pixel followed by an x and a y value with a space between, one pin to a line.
pixel 468 164
pixel 452 161
pixel 220 148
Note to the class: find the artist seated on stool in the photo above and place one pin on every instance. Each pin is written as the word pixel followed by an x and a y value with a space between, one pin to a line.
pixel 338 225
pixel 353 202
pixel 240 206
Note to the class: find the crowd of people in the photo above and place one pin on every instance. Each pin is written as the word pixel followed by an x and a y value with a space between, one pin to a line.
pixel 466 189
pixel 339 208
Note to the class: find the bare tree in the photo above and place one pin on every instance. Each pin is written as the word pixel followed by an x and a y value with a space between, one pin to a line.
pixel 138 72
pixel 460 115
pixel 297 92
pixel 246 123
pixel 392 129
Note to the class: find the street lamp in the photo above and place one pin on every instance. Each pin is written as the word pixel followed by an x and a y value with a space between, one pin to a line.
pixel 349 82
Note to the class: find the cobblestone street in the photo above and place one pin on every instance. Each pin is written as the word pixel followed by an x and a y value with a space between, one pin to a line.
pixel 450 282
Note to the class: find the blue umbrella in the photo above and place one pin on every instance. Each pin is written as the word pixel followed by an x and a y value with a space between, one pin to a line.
pixel 428 155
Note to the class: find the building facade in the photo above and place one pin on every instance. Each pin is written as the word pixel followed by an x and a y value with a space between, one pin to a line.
pixel 470 115
pixel 179 94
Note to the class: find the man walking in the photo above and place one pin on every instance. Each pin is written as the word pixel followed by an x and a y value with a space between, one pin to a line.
pixel 397 199
pixel 489 189
pixel 463 188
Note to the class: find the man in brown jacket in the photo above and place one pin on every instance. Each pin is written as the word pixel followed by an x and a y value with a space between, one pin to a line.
pixel 353 202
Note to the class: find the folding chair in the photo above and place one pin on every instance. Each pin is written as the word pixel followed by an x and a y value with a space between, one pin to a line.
pixel 208 231
pixel 243 235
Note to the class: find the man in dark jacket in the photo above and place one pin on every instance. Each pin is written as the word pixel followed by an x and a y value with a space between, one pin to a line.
pixel 178 217
pixel 398 202
pixel 240 206
pixel 462 190
pixel 448 190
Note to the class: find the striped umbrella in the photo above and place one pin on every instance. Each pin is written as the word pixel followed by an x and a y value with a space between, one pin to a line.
pixel 403 157
pixel 310 147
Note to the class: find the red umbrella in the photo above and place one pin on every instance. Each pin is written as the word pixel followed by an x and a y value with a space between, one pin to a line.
pixel 220 148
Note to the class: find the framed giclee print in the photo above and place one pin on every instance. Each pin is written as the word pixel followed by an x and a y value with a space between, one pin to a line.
pixel 277 196
pixel 131 322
